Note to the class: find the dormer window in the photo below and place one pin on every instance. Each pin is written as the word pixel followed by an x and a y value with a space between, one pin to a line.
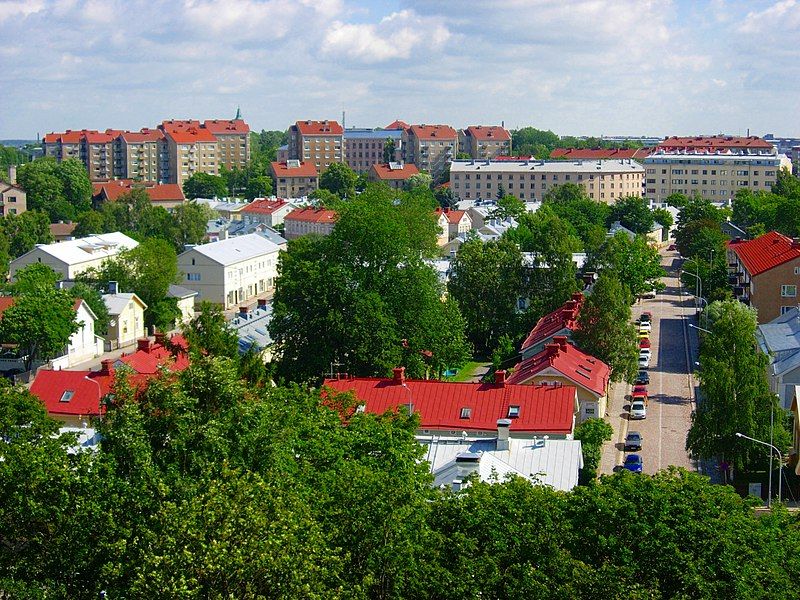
pixel 466 412
pixel 513 411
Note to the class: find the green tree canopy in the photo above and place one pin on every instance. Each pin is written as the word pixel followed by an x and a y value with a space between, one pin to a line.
pixel 60 189
pixel 634 213
pixel 339 179
pixel 635 262
pixel 26 230
pixel 203 185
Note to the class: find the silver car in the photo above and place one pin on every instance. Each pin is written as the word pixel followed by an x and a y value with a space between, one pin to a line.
pixel 638 410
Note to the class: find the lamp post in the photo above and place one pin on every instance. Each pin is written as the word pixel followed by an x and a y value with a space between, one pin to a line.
pixel 780 467
pixel 410 398
pixel 698 293
pixel 701 329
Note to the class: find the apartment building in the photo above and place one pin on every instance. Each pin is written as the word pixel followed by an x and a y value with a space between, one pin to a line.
pixel 765 273
pixel 529 180
pixel 233 142
pixel 601 153
pixel 191 149
pixel 302 221
pixel 319 143
pixel 268 211
pixel 141 155
pixel 484 143
pixel 430 147
pixel 13 199
pixel 393 174
pixel 166 195
pixel 716 177
pixel 294 179
pixel 62 146
pixel 715 144
pixel 232 271
pixel 365 147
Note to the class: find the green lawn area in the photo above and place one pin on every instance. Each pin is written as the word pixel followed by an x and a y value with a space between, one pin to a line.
pixel 466 372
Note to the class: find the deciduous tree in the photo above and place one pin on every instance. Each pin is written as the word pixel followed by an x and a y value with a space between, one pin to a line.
pixel 203 185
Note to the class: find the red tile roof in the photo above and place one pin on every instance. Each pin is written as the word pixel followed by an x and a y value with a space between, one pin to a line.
pixel 74 137
pixel 58 230
pixel 306 169
pixel 484 133
pixel 580 368
pixel 223 127
pixel 264 206
pixel 7 302
pixel 765 252
pixel 104 137
pixel 397 124
pixel 384 172
pixel 600 153
pixel 564 317
pixel 312 215
pixel 149 356
pixel 158 192
pixel 319 128
pixel 543 409
pixel 145 135
pixel 190 135
pixel 453 216
pixel 713 143
pixel 433 132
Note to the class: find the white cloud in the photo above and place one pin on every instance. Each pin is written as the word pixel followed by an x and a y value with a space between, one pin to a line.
pixel 19 8
pixel 781 15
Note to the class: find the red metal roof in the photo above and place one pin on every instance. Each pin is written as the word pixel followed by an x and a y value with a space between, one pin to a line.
pixel 384 172
pixel 158 192
pixel 191 135
pixel 312 215
pixel 319 127
pixel 264 206
pixel 229 127
pixel 600 153
pixel 545 409
pixel 582 369
pixel 564 317
pixel 397 124
pixel 488 133
pixel 150 355
pixel 453 216
pixel 434 132
pixel 306 169
pixel 145 135
pixel 765 252
pixel 713 143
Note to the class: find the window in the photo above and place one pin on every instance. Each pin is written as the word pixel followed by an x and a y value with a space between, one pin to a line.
pixel 797 270
pixel 193 276
pixel 788 291
pixel 589 411
pixel 67 395
pixel 513 411
pixel 466 412
pixel 785 309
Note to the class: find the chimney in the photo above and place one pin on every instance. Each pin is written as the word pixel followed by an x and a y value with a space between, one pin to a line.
pixel 552 349
pixel 243 311
pixel 500 378
pixel 12 174
pixel 561 340
pixel 161 338
pixel 399 375
pixel 107 366
pixel 113 287
pixel 467 463
pixel 795 242
pixel 262 303
pixel 503 427
pixel 143 345
pixel 577 297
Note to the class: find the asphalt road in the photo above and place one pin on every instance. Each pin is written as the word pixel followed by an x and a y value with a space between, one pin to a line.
pixel 671 389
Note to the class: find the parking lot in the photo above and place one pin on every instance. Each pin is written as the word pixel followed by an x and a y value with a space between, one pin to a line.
pixel 671 387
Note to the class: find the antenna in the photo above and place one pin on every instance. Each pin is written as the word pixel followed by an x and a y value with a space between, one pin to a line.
pixel 343 121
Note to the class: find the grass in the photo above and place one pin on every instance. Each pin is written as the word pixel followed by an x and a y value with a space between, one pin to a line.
pixel 466 372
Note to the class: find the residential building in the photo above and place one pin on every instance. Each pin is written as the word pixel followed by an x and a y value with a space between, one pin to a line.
pixel 600 153
pixel 780 341
pixel 73 257
pixel 252 328
pixel 604 181
pixel 447 408
pixel 141 156
pixel 485 143
pixel 430 147
pixel 294 179
pixel 365 147
pixel 233 141
pixel 715 144
pixel 765 273
pixel 562 364
pixel 240 228
pixel 282 153
pixel 191 149
pixel 166 195
pixel 269 211
pixel 397 124
pixel 63 146
pixel 393 174
pixel 318 143
pixel 795 450
pixel 226 209
pixel 232 271
pixel 715 177
pixel 97 153
pixel 185 301
pixel 452 223
pixel 302 221
pixel 127 318
pixel 13 199
pixel 561 322
pixel 62 232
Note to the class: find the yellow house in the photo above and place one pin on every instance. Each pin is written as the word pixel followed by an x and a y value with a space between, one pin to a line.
pixel 127 319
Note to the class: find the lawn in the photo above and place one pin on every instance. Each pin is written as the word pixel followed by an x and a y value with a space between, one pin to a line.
pixel 467 371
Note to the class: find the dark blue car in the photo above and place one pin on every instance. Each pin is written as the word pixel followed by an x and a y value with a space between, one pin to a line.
pixel 633 462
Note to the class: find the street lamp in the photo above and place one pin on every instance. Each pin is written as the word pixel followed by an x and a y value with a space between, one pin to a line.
pixel 410 398
pixel 780 467
pixel 701 329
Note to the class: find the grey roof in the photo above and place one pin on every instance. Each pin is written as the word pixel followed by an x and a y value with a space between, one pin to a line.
pixel 239 228
pixel 177 291
pixel 373 134
pixel 235 250
pixel 616 227
pixel 252 328
pixel 551 462
pixel 782 333
pixel 92 247
pixel 536 166
pixel 116 303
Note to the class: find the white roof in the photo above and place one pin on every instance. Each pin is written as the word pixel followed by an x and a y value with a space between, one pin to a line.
pixel 551 462
pixel 93 247
pixel 116 303
pixel 236 249
pixel 541 166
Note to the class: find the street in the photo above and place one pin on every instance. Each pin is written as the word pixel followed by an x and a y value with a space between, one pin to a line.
pixel 671 388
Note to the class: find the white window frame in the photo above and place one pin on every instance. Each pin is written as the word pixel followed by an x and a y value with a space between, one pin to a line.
pixel 785 291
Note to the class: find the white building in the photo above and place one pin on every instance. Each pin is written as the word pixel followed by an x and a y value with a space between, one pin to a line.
pixel 232 271
pixel 84 344
pixel 73 257
pixel 185 301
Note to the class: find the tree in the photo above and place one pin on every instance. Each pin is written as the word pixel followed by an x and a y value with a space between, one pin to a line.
pixel 635 262
pixel 339 179
pixel 208 333
pixel 324 198
pixel 94 299
pixel 190 223
pixel 592 433
pixel 77 188
pixel 26 230
pixel 786 185
pixel 586 217
pixel 633 213
pixel 204 185
pixel 509 207
pixel 419 180
pixel 34 278
pixel 39 324
pixel 258 187
pixel 389 150
pixel 486 280
pixel 60 189
pixel 735 392
pixel 664 217
pixel 90 222
pixel 605 330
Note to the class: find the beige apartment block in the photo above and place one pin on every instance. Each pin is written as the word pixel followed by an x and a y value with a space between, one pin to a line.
pixel 430 147
pixel 233 139
pixel 13 199
pixel 141 155
pixel 485 143
pixel 365 147
pixel 191 149
pixel 716 177
pixel 529 180
pixel 294 179
pixel 319 143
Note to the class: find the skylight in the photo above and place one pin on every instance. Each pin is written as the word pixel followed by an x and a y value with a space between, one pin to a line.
pixel 67 395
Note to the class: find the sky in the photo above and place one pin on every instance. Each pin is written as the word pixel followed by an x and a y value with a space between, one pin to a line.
pixel 577 67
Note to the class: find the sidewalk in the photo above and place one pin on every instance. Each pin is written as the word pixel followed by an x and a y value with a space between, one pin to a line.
pixel 617 416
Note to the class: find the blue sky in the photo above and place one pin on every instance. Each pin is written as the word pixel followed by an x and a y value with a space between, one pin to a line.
pixel 574 66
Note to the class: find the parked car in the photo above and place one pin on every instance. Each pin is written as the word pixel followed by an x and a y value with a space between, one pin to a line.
pixel 640 397
pixel 650 294
pixel 639 388
pixel 645 327
pixel 638 410
pixel 633 441
pixel 672 248
pixel 644 342
pixel 643 377
pixel 633 463
pixel 644 361
pixel 646 316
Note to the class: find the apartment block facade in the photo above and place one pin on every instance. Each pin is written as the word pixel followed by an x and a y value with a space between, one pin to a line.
pixel 319 143
pixel 233 139
pixel 430 147
pixel 294 179
pixel 365 147
pixel 141 155
pixel 529 180
pixel 485 143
